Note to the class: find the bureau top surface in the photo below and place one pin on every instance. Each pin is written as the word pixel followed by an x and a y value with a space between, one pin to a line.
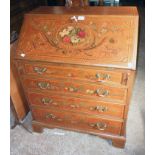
pixel 86 10
pixel 97 36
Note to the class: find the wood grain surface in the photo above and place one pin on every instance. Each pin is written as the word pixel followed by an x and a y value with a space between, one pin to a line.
pixel 77 67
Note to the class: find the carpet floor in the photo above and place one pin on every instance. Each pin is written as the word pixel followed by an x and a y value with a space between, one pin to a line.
pixel 62 142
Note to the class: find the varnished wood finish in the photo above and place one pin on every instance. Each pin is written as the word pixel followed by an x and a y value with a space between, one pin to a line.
pixel 102 135
pixel 55 101
pixel 77 67
pixel 78 87
pixel 37 128
pixel 119 143
pixel 99 75
pixel 74 120
pixel 110 39
pixel 19 102
pixel 95 10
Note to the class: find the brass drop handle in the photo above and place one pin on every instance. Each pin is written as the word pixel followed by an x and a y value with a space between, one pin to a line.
pixel 99 108
pixel 99 125
pixel 98 76
pixel 46 101
pixel 43 85
pixel 102 76
pixel 102 93
pixel 106 76
pixel 105 93
pixel 40 70
pixel 50 116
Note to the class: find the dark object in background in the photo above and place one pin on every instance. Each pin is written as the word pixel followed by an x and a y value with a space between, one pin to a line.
pixel 17 10
pixel 55 2
pixel 93 3
pixel 13 36
pixel 132 2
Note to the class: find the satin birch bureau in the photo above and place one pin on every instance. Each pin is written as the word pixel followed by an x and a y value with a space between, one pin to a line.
pixel 77 68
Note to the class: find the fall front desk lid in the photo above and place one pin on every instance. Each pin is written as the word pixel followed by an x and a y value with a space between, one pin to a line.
pixel 98 36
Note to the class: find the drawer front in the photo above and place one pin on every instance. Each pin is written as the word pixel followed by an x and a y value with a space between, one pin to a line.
pixel 76 104
pixel 87 74
pixel 78 121
pixel 67 85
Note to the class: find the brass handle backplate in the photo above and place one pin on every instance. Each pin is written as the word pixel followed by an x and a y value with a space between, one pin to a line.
pixel 46 100
pixel 102 77
pixel 50 116
pixel 99 92
pixel 102 93
pixel 99 125
pixel 40 70
pixel 99 108
pixel 43 85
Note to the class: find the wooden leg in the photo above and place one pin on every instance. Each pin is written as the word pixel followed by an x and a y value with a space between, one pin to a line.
pixel 37 128
pixel 119 143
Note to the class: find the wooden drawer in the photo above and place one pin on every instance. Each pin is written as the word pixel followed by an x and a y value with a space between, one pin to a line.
pixel 75 87
pixel 91 74
pixel 76 104
pixel 78 121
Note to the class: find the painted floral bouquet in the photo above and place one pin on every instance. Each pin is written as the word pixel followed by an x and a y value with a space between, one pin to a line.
pixel 72 35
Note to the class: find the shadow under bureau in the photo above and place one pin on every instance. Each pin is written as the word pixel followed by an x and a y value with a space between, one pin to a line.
pixel 77 68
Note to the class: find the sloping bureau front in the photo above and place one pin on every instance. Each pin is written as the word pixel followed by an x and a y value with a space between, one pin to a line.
pixel 77 68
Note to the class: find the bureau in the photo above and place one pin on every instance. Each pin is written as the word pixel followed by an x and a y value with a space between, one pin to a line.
pixel 77 67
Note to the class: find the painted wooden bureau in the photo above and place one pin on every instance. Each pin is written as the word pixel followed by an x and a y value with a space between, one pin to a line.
pixel 77 68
